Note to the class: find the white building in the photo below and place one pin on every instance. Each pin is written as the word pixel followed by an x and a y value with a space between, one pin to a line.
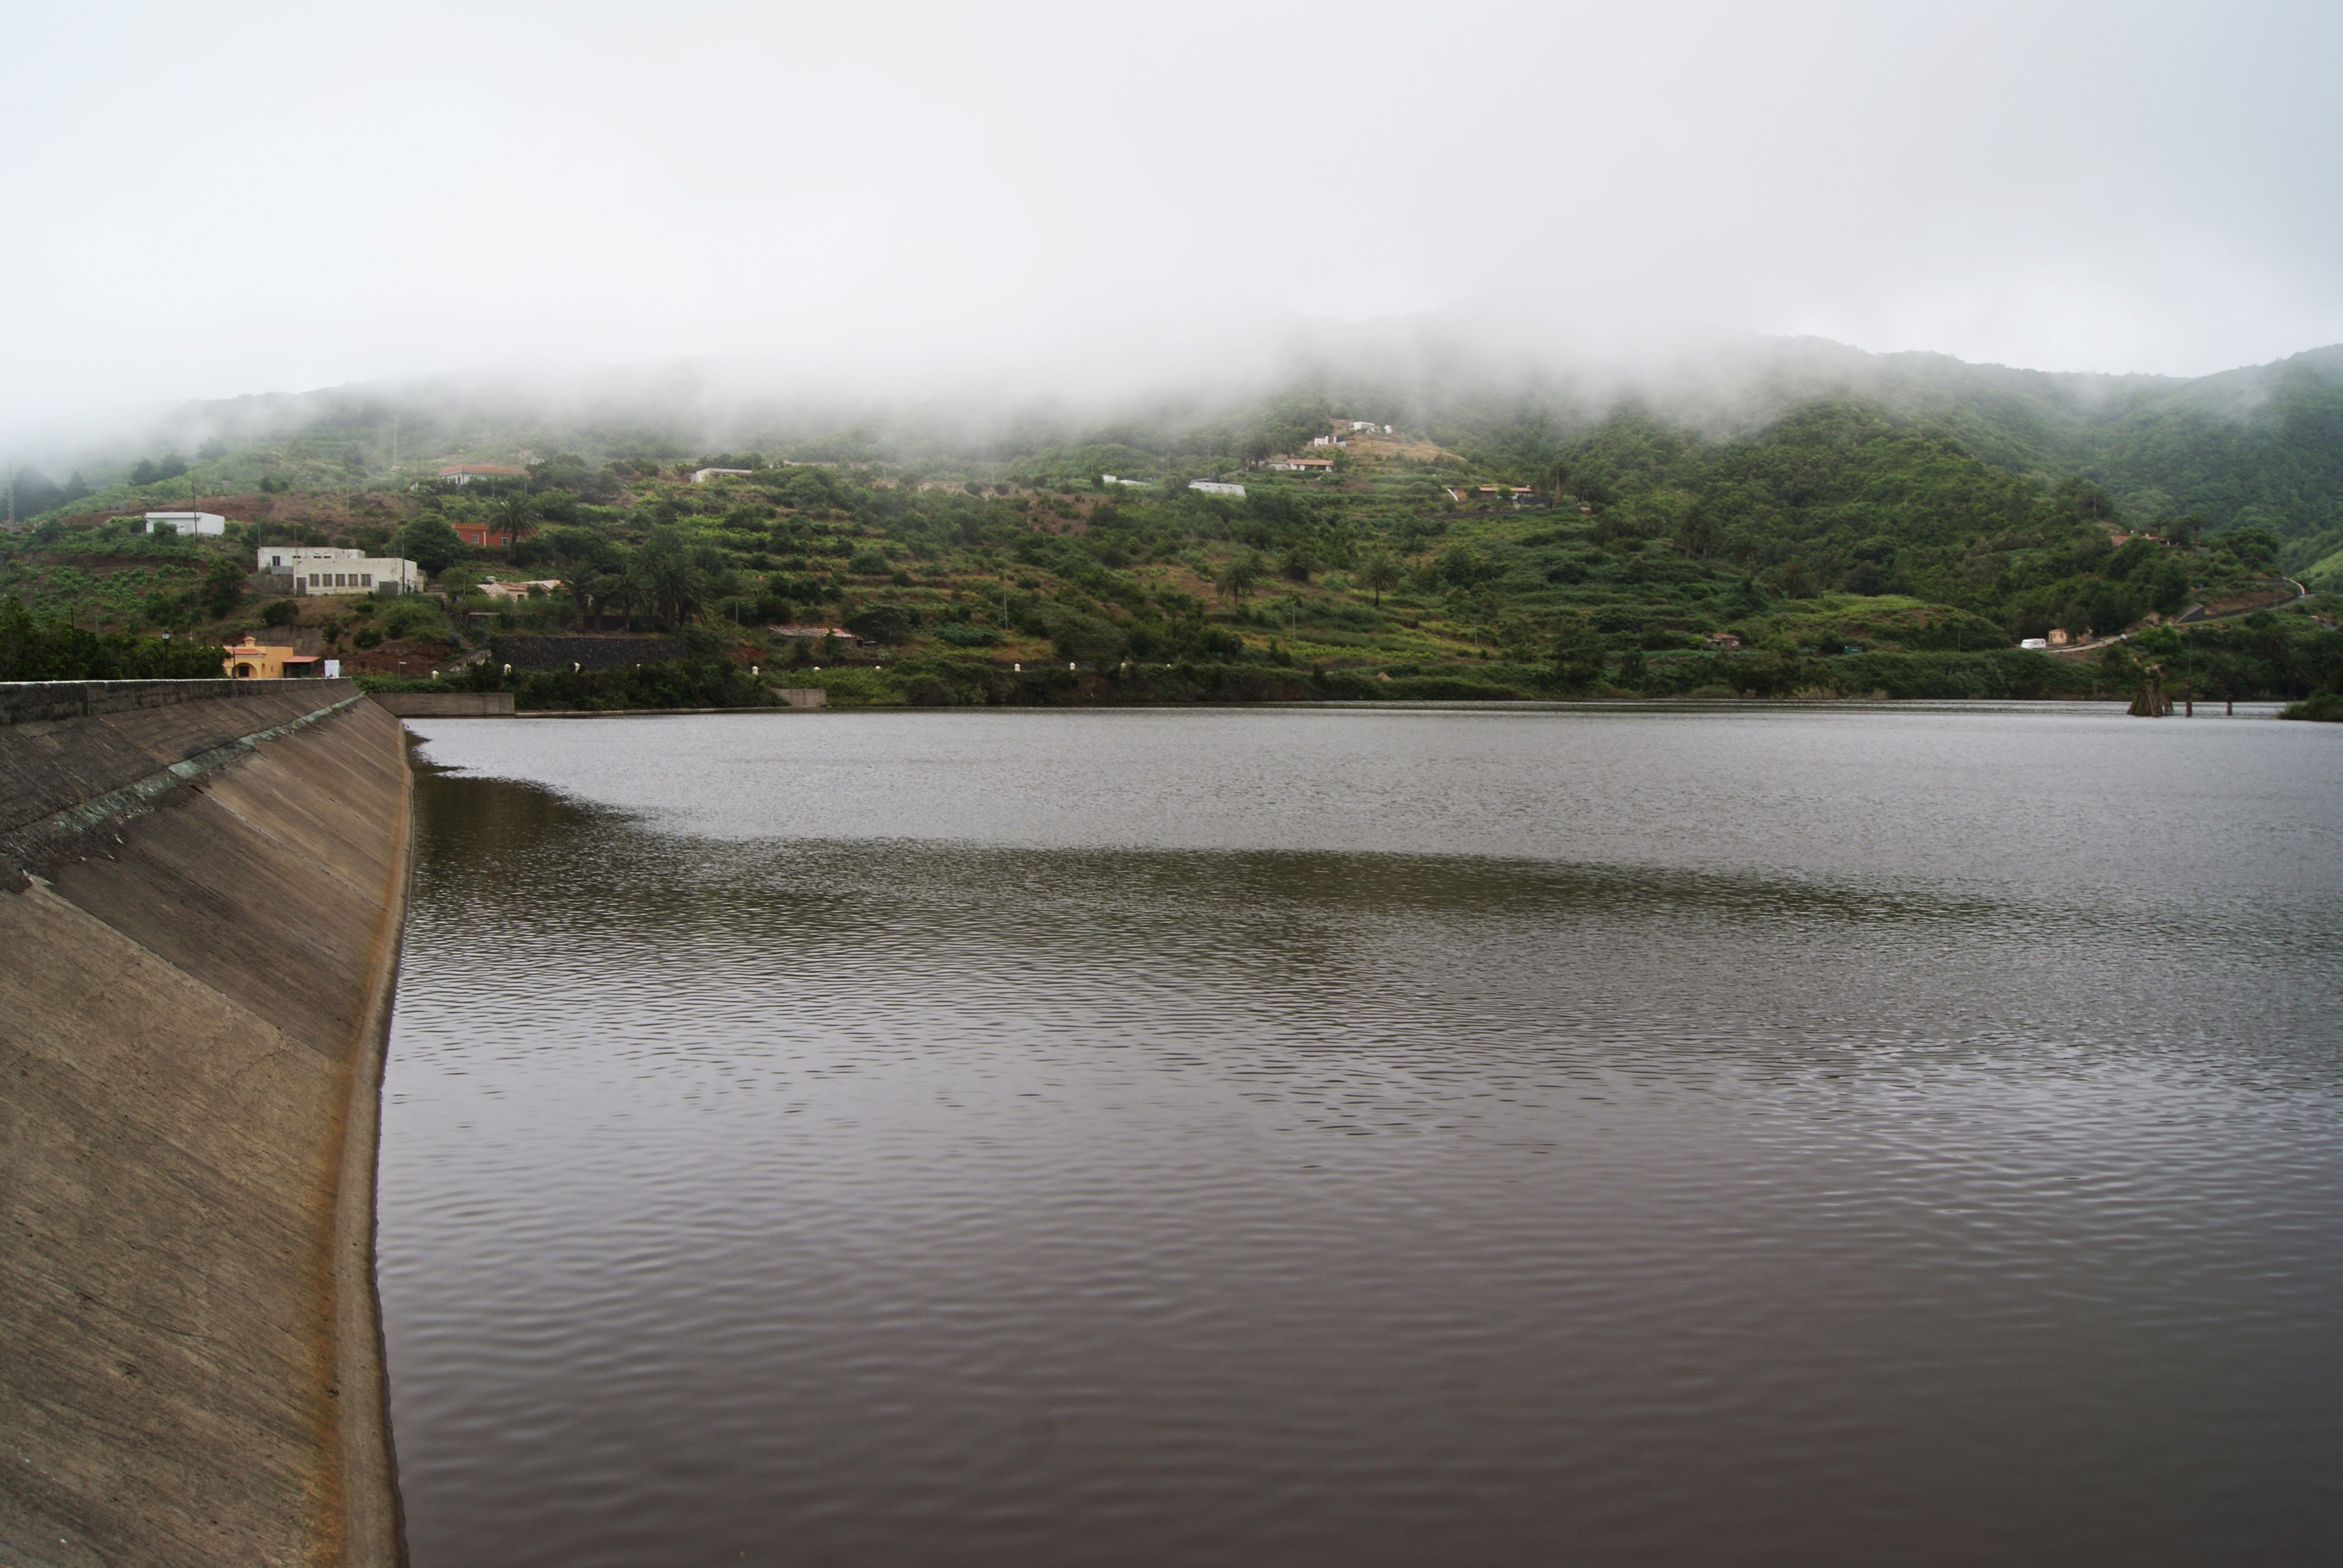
pixel 494 589
pixel 1135 484
pixel 465 473
pixel 283 560
pixel 354 573
pixel 1214 488
pixel 702 476
pixel 185 522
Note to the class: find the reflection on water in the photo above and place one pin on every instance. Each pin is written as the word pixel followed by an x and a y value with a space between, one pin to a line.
pixel 1036 1183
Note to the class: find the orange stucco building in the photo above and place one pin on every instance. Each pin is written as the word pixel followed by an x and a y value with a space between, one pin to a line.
pixel 250 661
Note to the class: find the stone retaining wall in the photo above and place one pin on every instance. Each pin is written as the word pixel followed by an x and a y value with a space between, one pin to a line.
pixel 447 704
pixel 530 650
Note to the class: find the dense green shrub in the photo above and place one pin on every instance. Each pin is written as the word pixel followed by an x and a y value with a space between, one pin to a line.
pixel 2002 673
pixel 44 649
pixel 967 636
pixel 881 623
pixel 2327 708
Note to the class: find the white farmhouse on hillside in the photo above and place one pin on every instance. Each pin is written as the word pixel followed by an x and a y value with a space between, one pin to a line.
pixel 185 522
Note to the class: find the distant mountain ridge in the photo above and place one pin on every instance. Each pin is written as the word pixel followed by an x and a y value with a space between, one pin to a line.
pixel 2259 445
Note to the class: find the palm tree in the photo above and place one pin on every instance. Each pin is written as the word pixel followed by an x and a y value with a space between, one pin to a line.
pixel 675 578
pixel 515 516
pixel 1379 574
pixel 587 588
pixel 1238 578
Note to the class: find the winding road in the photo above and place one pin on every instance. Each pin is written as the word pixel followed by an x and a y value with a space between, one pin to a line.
pixel 2193 616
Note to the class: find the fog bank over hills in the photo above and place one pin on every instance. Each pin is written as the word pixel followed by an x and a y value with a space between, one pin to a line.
pixel 2260 444
pixel 1417 370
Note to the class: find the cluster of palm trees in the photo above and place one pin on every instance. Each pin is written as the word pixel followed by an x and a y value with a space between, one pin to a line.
pixel 667 577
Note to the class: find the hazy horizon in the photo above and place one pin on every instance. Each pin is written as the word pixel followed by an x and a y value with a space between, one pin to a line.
pixel 1047 201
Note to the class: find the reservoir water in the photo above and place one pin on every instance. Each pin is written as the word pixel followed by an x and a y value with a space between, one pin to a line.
pixel 1757 1135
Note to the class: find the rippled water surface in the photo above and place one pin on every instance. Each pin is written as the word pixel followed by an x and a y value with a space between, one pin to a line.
pixel 1314 1137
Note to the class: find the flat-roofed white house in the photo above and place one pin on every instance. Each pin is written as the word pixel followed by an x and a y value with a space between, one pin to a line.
pixel 283 559
pixel 1215 488
pixel 185 522
pixel 354 574
pixel 702 476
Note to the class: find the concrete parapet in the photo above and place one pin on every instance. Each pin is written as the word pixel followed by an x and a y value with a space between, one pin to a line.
pixel 25 701
pixel 197 961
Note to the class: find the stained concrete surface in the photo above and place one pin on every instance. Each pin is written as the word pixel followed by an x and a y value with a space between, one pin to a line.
pixel 193 1003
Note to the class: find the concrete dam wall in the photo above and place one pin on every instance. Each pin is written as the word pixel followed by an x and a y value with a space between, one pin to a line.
pixel 201 890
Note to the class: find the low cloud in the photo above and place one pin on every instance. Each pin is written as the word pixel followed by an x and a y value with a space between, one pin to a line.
pixel 1048 200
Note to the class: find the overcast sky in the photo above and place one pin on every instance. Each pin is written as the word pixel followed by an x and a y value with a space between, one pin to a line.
pixel 208 200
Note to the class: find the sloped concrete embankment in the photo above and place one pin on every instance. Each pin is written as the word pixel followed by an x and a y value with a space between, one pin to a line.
pixel 205 882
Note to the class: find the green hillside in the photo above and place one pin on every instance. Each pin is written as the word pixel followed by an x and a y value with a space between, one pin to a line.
pixel 2259 446
pixel 1858 524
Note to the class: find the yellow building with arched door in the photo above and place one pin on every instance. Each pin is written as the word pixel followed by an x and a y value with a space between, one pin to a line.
pixel 251 660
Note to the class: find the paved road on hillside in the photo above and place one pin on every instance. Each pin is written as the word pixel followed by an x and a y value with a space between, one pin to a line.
pixel 2194 617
